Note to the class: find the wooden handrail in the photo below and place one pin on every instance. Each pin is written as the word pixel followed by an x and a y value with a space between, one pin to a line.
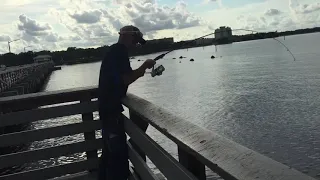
pixel 225 157
pixel 13 118
pixel 162 159
pixel 197 147
pixel 46 98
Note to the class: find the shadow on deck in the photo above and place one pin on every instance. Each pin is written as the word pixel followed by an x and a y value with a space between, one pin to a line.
pixel 93 176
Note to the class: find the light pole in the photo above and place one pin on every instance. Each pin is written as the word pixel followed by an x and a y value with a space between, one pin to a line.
pixel 26 47
pixel 11 42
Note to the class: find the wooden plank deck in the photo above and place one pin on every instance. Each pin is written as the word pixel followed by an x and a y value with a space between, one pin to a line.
pixel 92 176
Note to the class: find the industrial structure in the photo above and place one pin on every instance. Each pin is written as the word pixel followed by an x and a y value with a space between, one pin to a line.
pixel 43 58
pixel 223 32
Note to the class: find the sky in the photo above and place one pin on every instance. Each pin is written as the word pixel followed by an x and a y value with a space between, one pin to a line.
pixel 59 24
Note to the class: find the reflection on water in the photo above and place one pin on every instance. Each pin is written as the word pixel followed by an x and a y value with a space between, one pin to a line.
pixel 253 93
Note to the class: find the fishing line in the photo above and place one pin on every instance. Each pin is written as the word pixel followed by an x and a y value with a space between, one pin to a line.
pixel 294 58
pixel 158 71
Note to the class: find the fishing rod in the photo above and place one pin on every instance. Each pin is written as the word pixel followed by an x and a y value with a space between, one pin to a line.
pixel 158 71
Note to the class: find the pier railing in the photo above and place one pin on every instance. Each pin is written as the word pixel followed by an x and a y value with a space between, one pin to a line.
pixel 197 147
pixel 12 75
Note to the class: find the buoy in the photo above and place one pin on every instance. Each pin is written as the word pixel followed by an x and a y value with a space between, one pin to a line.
pixel 191 59
pixel 212 57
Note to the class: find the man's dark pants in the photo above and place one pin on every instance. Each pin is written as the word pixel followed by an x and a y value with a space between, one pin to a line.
pixel 114 164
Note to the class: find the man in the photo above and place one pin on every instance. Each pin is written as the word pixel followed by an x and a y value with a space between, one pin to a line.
pixel 116 75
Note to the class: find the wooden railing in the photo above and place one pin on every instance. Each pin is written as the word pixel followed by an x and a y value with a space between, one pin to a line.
pixel 12 75
pixel 197 147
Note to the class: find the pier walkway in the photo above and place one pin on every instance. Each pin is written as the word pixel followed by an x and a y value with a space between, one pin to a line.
pixel 24 79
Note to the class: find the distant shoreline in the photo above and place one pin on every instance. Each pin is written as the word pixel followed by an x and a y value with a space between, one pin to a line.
pixel 75 55
pixel 234 39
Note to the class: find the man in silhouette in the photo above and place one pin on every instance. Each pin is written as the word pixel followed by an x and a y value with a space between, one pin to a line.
pixel 116 75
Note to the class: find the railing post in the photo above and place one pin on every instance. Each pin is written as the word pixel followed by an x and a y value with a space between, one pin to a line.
pixel 143 125
pixel 192 164
pixel 89 135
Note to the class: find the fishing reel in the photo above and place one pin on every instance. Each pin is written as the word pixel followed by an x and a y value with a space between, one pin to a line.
pixel 157 71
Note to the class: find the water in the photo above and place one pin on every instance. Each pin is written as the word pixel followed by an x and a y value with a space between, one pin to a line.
pixel 253 93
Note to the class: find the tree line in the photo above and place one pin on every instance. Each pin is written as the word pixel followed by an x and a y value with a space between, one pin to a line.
pixel 74 55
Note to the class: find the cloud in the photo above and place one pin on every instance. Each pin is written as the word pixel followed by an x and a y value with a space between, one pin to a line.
pixel 272 12
pixel 75 38
pixel 146 24
pixel 98 26
pixel 210 1
pixel 142 8
pixel 114 21
pixel 87 17
pixel 152 17
pixel 29 38
pixel 92 23
pixel 305 15
pixel 53 37
pixel 277 15
pixel 148 15
pixel 4 38
pixel 308 8
pixel 33 31
pixel 86 23
pixel 32 27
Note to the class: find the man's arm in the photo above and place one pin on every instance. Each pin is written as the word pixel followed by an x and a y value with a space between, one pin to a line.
pixel 133 75
pixel 137 73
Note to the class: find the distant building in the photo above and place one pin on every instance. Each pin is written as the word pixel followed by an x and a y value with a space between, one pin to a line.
pixel 42 58
pixel 204 41
pixel 161 41
pixel 223 33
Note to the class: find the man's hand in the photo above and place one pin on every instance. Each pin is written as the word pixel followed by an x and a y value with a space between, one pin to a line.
pixel 130 78
pixel 149 63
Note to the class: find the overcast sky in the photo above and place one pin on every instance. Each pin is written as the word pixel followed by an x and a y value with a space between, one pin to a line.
pixel 58 24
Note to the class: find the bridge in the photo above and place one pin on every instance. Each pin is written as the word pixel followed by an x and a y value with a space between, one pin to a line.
pixel 24 79
pixel 199 151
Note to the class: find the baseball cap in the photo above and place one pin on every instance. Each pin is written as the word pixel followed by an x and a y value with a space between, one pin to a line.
pixel 133 30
